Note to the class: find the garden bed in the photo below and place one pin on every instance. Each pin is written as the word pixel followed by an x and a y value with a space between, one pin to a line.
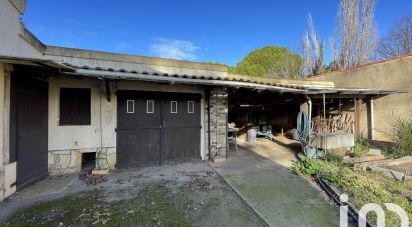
pixel 361 187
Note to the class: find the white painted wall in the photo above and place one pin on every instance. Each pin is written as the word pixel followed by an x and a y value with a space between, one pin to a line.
pixel 11 43
pixel 89 136
pixel 81 136
pixel 2 89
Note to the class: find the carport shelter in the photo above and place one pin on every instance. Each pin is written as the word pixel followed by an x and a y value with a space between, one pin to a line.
pixel 114 110
pixel 65 109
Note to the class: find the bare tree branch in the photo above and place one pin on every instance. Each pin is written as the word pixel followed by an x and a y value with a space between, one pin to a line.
pixel 312 51
pixel 355 36
pixel 399 39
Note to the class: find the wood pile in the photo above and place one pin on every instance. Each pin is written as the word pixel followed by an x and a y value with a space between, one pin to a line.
pixel 341 123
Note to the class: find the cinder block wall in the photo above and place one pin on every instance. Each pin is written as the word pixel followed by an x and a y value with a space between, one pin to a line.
pixel 218 123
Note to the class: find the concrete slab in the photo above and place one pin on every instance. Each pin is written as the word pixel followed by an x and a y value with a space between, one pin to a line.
pixel 208 195
pixel 374 151
pixel 279 196
pixel 101 171
pixel 282 150
pixel 48 186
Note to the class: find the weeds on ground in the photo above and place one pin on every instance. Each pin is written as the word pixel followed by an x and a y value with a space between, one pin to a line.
pixel 151 207
pixel 309 167
pixel 400 133
pixel 332 157
pixel 361 147
pixel 361 187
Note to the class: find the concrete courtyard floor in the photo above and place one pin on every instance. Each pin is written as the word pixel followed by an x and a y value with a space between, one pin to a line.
pixel 189 194
pixel 260 174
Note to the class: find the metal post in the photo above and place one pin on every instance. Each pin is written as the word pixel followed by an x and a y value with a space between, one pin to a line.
pixel 372 119
pixel 324 107
pixel 324 118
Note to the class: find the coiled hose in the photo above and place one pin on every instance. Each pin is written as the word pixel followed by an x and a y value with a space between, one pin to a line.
pixel 302 126
pixel 303 130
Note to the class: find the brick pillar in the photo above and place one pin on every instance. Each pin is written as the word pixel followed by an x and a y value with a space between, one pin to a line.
pixel 218 124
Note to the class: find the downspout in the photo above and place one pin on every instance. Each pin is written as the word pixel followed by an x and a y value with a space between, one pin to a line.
pixel 309 116
pixel 208 126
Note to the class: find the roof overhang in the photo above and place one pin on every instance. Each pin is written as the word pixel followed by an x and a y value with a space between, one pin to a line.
pixel 227 82
pixel 35 62
pixel 233 81
pixel 176 79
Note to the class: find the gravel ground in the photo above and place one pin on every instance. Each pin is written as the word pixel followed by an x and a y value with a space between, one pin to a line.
pixel 193 191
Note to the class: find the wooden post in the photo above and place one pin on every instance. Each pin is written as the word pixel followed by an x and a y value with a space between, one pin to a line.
pixel 358 115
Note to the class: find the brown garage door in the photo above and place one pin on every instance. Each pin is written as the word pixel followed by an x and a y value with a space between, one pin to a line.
pixel 28 127
pixel 155 127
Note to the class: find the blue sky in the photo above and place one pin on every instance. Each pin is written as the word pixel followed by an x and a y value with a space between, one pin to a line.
pixel 196 30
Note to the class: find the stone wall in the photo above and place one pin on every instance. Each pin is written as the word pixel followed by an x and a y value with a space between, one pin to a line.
pixel 70 160
pixel 218 123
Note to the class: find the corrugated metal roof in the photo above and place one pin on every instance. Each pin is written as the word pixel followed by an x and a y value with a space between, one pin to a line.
pixel 201 77
pixel 228 81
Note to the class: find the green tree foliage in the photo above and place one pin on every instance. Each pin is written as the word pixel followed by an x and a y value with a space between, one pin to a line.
pixel 270 62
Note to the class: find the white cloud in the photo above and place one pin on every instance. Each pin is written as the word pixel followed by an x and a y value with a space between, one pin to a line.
pixel 175 49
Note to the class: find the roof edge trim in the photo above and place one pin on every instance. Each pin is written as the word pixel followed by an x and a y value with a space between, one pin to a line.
pixel 116 57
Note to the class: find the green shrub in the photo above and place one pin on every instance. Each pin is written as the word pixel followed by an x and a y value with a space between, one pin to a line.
pixel 400 133
pixel 361 147
pixel 332 157
pixel 307 166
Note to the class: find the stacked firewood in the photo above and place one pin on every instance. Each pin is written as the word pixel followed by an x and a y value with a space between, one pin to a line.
pixel 342 123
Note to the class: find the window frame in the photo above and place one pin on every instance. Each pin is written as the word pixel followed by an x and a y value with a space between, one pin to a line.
pixel 127 106
pixel 171 107
pixel 147 106
pixel 191 104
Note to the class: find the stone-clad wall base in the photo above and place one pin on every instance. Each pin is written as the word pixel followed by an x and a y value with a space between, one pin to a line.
pixel 70 161
pixel 218 123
